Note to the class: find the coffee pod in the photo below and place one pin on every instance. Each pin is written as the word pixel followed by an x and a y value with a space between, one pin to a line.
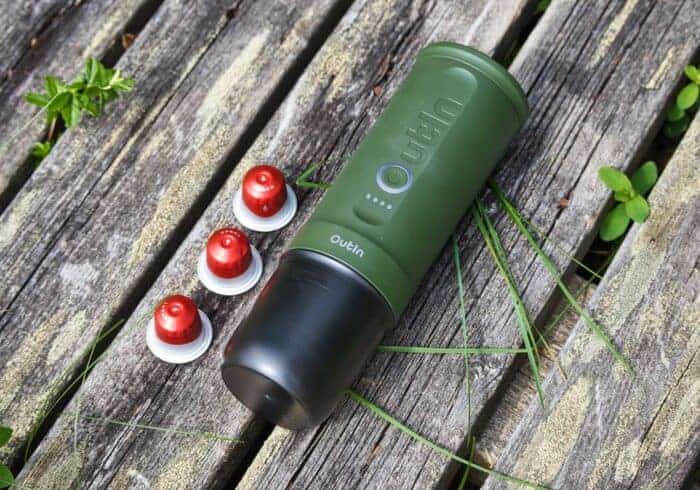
pixel 178 332
pixel 229 264
pixel 264 202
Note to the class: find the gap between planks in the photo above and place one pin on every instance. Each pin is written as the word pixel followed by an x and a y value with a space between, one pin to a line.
pixel 63 43
pixel 304 38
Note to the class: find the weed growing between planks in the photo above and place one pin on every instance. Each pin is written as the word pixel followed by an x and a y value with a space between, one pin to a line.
pixel 67 102
pixel 685 106
pixel 6 478
pixel 629 193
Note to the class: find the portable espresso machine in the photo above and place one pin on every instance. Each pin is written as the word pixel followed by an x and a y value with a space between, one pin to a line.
pixel 354 266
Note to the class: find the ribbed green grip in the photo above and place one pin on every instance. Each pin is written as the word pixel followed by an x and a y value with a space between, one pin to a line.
pixel 415 174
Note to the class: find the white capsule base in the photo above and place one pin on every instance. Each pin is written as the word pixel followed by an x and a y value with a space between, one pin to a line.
pixel 234 285
pixel 182 353
pixel 254 222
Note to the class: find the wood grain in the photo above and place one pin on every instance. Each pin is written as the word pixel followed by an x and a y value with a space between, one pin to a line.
pixel 580 121
pixel 603 428
pixel 90 224
pixel 39 38
pixel 321 117
pixel 505 415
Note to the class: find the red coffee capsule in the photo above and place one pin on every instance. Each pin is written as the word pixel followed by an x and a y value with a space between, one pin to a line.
pixel 177 320
pixel 264 190
pixel 228 253
pixel 178 332
pixel 264 202
pixel 229 265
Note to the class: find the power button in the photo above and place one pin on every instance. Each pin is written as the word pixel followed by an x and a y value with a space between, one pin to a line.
pixel 394 178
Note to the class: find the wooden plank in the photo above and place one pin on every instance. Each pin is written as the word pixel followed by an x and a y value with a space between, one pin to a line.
pixel 603 428
pixel 580 121
pixel 325 105
pixel 20 23
pixel 107 201
pixel 506 413
pixel 64 33
pixel 282 461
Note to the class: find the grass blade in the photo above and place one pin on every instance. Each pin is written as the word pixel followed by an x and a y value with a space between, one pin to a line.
pixel 493 243
pixel 465 336
pixel 549 265
pixel 45 412
pixel 302 181
pixel 465 476
pixel 156 428
pixel 410 349
pixel 445 452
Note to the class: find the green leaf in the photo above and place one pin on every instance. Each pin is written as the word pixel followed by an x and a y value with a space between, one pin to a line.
pixel 615 180
pixel 41 150
pixel 6 478
pixel 5 434
pixel 59 101
pixel 692 73
pixel 36 99
pixel 614 224
pixel 53 85
pixel 71 112
pixel 622 196
pixel 91 71
pixel 542 6
pixel 688 96
pixel 644 178
pixel 89 105
pixel 637 209
pixel 676 128
pixel 674 113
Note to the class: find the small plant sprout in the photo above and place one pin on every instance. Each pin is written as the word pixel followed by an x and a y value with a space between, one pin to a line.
pixel 629 194
pixel 6 478
pixel 88 92
pixel 686 104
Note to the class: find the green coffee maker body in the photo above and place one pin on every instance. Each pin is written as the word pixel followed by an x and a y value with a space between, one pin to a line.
pixel 355 264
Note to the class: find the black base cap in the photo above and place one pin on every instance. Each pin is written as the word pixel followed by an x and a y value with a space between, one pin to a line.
pixel 306 339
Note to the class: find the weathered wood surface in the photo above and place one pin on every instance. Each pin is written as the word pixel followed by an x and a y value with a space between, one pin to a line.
pixel 21 21
pixel 64 34
pixel 326 103
pixel 604 428
pixel 506 413
pixel 578 77
pixel 586 67
pixel 91 223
